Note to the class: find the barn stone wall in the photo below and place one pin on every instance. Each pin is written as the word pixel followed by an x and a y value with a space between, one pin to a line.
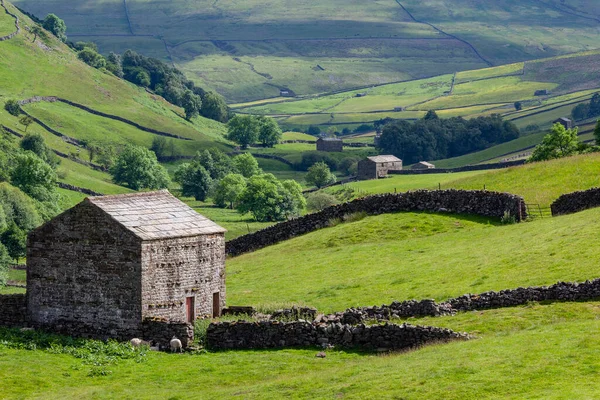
pixel 175 269
pixel 483 203
pixel 13 310
pixel 577 201
pixel 273 334
pixel 83 275
pixel 331 146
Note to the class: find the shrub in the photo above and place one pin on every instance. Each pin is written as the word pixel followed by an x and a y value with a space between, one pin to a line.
pixel 319 201
pixel 13 107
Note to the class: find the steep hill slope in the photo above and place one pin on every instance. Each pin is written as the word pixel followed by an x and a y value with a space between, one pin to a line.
pixel 99 108
pixel 251 50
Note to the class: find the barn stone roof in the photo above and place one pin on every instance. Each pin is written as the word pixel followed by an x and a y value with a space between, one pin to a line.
pixel 384 159
pixel 425 163
pixel 155 215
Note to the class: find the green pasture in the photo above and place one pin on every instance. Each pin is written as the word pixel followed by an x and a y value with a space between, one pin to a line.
pixel 525 352
pixel 7 24
pixel 28 70
pixel 539 183
pixel 82 125
pixel 404 183
pixel 298 136
pixel 412 255
pixel 487 73
pixel 82 176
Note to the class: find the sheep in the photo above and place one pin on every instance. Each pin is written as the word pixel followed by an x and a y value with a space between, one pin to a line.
pixel 176 345
pixel 135 342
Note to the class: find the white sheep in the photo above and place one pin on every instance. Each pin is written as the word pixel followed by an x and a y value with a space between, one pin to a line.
pixel 176 345
pixel 135 342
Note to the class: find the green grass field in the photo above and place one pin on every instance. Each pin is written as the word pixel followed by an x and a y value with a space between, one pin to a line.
pixel 538 351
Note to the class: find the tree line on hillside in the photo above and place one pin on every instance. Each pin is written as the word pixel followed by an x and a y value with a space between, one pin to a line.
pixel 587 110
pixel 151 73
pixel 433 138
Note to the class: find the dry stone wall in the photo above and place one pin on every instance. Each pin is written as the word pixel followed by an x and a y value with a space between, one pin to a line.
pixel 574 202
pixel 17 26
pixel 483 203
pixel 273 334
pixel 13 310
pixel 561 291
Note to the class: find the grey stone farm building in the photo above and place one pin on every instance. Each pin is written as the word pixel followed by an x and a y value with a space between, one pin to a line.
pixel 421 165
pixel 330 144
pixel 110 264
pixel 566 122
pixel 378 166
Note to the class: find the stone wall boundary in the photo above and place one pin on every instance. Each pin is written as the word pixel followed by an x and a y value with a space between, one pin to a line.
pixel 72 188
pixel 559 292
pixel 17 25
pixel 571 203
pixel 54 99
pixel 274 334
pixel 482 203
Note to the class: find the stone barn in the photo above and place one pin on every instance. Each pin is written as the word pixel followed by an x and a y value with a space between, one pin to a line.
pixel 109 264
pixel 566 122
pixel 378 166
pixel 330 144
pixel 421 165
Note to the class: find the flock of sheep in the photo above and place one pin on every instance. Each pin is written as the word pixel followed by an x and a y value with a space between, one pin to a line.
pixel 175 344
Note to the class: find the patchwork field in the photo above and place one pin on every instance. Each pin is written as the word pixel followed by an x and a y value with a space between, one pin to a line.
pixel 251 50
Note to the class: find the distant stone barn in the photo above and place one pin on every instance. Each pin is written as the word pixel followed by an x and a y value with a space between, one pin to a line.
pixel 330 145
pixel 421 165
pixel 566 122
pixel 378 167
pixel 112 262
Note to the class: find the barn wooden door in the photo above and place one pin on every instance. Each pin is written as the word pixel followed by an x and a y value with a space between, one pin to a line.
pixel 190 309
pixel 216 305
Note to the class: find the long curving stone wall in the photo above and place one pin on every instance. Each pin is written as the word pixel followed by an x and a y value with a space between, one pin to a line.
pixel 577 201
pixel 483 203
pixel 273 334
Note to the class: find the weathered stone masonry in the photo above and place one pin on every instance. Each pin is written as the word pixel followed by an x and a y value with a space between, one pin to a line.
pixel 483 203
pixel 273 334
pixel 123 266
pixel 577 201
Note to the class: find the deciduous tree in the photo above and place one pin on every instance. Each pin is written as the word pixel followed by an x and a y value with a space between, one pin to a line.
pixel 56 25
pixel 138 168
pixel 228 190
pixel 320 175
pixel 246 165
pixel 243 129
pixel 270 132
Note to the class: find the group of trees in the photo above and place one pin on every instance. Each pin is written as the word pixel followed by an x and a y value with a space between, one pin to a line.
pixel 239 183
pixel 563 142
pixel 249 129
pixel 587 110
pixel 163 79
pixel 432 138
pixel 28 194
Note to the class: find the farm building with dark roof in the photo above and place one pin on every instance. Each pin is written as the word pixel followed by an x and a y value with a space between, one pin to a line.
pixel 566 122
pixel 108 264
pixel 421 165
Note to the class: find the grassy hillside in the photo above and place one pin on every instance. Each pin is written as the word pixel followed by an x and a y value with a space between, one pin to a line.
pixel 539 183
pixel 250 50
pixel 535 351
pixel 403 256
